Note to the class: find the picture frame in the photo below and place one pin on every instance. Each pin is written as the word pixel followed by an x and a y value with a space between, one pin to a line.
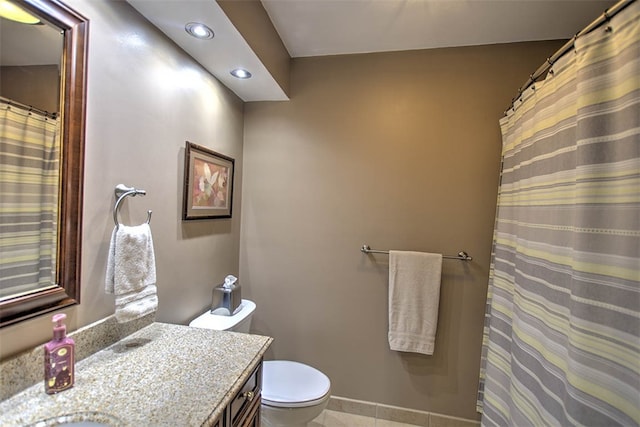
pixel 208 183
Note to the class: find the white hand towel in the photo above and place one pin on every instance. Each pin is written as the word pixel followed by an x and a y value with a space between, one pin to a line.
pixel 131 272
pixel 135 305
pixel 131 264
pixel 414 296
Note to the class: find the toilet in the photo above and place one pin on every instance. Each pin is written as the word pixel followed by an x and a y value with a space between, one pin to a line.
pixel 293 393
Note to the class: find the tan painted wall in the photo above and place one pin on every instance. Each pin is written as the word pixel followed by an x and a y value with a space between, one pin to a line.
pixel 145 99
pixel 398 151
pixel 35 85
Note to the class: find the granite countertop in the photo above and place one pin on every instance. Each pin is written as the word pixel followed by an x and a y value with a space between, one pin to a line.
pixel 160 375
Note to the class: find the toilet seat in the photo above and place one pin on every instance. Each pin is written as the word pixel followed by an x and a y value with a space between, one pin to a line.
pixel 288 384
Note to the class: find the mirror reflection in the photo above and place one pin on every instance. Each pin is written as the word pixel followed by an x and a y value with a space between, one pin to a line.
pixel 42 116
pixel 30 70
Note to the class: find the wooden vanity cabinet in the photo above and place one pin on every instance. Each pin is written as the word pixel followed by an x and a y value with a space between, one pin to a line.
pixel 244 409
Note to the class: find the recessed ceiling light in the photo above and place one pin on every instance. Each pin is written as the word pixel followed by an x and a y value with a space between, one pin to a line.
pixel 199 30
pixel 241 73
pixel 15 13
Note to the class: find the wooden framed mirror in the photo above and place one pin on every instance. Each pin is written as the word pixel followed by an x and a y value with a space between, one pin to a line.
pixel 64 289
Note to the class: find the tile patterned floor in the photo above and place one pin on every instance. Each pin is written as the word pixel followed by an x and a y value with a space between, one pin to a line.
pixel 344 412
pixel 342 419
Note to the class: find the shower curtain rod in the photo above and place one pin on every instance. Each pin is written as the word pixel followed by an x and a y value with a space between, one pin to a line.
pixel 605 17
pixel 29 108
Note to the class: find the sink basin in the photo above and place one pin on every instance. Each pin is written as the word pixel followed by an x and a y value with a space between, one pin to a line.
pixel 81 419
pixel 84 424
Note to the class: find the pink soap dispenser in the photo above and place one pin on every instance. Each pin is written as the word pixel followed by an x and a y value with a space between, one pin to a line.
pixel 59 358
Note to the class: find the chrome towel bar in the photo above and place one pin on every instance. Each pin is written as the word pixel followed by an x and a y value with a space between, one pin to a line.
pixel 462 255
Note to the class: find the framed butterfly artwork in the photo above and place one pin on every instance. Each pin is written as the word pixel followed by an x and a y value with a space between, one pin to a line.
pixel 208 183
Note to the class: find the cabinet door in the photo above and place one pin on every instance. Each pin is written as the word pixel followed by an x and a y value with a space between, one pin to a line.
pixel 246 404
pixel 252 416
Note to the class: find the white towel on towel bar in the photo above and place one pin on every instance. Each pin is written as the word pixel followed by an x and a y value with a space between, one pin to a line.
pixel 414 296
pixel 131 272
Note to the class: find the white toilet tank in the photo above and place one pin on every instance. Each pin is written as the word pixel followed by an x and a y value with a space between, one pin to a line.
pixel 239 322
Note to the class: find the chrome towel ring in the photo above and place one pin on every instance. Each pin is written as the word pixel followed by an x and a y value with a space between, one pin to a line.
pixel 123 191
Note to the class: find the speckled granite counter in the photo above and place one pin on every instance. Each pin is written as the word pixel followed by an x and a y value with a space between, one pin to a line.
pixel 162 375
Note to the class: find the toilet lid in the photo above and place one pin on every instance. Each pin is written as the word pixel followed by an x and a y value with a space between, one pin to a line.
pixel 292 384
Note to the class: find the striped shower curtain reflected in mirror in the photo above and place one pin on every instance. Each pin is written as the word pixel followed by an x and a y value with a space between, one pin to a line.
pixel 561 341
pixel 29 183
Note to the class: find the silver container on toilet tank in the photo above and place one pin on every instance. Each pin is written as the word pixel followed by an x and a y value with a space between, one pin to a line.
pixel 225 301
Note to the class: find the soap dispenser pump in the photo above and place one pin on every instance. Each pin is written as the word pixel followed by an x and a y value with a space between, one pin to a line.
pixel 59 358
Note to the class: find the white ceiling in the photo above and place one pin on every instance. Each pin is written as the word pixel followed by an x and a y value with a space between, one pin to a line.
pixel 330 27
pixel 225 52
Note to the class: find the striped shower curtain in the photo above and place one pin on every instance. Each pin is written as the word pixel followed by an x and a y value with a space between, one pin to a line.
pixel 29 166
pixel 561 342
